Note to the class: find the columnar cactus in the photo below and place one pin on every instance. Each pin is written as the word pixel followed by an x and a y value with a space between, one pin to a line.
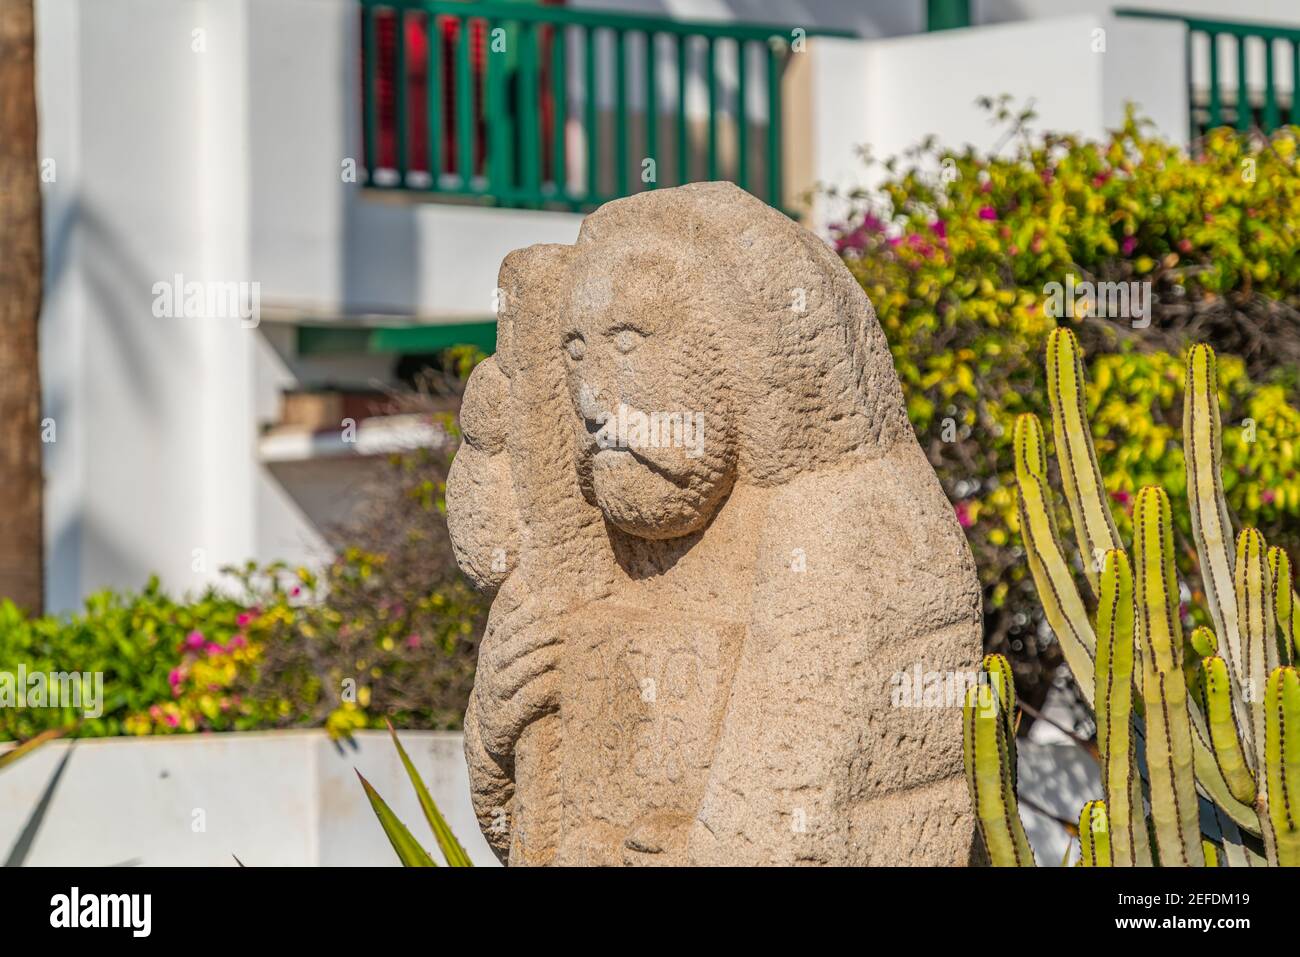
pixel 1211 718
pixel 989 746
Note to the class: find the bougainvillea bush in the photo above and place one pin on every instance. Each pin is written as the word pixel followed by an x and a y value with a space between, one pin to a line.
pixel 958 250
pixel 388 628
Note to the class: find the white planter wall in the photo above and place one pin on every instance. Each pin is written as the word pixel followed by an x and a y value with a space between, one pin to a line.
pixel 283 798
pixel 291 798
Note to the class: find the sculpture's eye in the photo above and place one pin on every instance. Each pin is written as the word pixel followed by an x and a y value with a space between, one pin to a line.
pixel 575 346
pixel 626 340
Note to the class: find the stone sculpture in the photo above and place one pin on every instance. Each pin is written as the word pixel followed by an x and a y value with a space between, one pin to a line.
pixel 715 543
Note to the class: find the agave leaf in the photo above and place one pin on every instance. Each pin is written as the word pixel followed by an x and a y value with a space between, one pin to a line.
pixel 451 848
pixel 26 838
pixel 30 745
pixel 409 852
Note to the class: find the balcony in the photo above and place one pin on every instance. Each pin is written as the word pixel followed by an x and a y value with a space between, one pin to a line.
pixel 549 107
pixel 1239 74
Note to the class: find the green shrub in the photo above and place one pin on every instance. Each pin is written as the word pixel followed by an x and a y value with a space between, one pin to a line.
pixel 166 664
pixel 388 629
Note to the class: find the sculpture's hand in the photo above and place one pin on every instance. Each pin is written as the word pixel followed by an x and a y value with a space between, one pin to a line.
pixel 518 671
pixel 520 526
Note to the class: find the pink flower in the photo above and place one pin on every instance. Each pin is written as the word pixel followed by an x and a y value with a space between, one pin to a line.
pixel 238 641
pixel 174 678
pixel 413 641
pixel 243 619
pixel 155 712
pixel 295 591
pixel 988 213
pixel 939 228
pixel 172 720
pixel 214 649
pixel 964 518
pixel 1267 496
pixel 1120 496
pixel 1130 243
pixel 194 640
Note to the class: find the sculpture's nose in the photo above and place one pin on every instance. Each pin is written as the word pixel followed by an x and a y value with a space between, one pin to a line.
pixel 590 408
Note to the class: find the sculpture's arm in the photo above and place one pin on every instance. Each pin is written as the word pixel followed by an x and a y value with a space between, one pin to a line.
pixel 518 522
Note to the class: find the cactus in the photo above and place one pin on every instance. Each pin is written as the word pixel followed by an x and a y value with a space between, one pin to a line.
pixel 1094 835
pixel 1206 715
pixel 989 748
pixel 1282 749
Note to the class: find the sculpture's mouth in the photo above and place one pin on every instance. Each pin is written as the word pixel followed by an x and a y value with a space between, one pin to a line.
pixel 617 458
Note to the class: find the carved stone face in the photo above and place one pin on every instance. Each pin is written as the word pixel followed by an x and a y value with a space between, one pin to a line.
pixel 652 421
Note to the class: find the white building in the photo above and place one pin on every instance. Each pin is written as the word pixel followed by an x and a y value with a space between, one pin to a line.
pixel 224 142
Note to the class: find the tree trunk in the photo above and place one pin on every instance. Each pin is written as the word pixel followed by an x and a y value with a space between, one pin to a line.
pixel 21 558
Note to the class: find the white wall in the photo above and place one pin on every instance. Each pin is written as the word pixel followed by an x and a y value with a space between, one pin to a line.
pixel 135 126
pixel 867 18
pixel 1280 12
pixel 221 164
pixel 888 18
pixel 272 799
pixel 890 94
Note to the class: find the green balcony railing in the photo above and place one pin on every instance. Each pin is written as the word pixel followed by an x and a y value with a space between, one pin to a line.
pixel 1244 75
pixel 542 106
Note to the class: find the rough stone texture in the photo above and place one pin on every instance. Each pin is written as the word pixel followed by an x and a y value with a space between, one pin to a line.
pixel 692 649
